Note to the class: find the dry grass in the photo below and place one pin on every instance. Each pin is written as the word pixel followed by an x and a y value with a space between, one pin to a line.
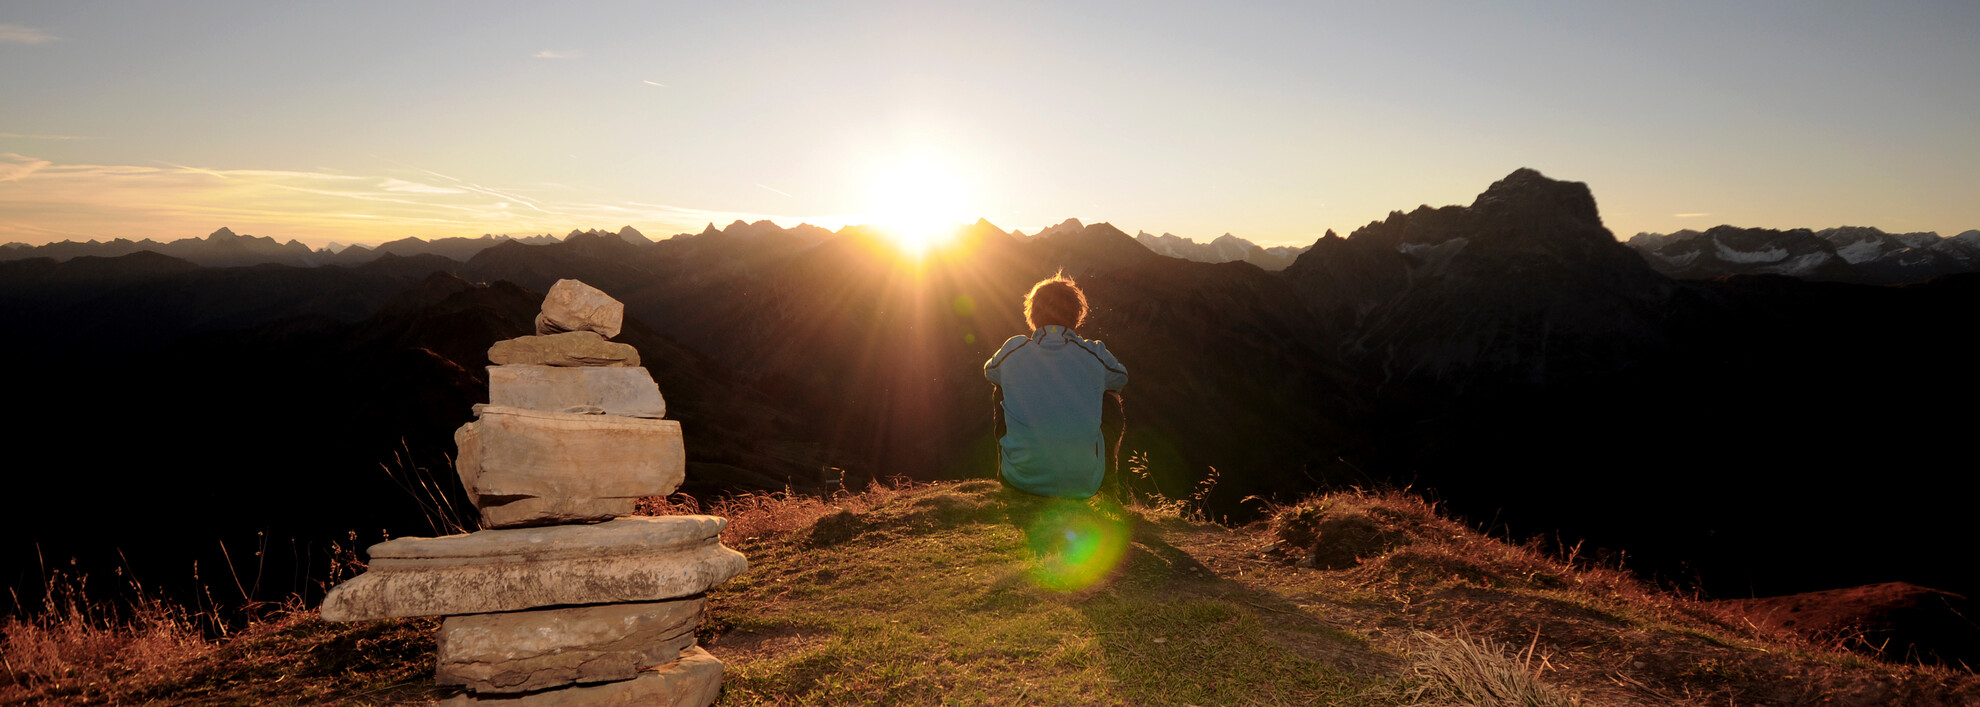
pixel 752 515
pixel 73 641
pixel 1460 671
pixel 1594 631
pixel 75 646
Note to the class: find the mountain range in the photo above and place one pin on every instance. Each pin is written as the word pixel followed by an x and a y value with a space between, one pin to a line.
pixel 1510 356
pixel 1846 254
pixel 224 248
pixel 1223 249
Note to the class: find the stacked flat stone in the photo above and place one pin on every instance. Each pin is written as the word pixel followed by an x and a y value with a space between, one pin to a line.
pixel 562 599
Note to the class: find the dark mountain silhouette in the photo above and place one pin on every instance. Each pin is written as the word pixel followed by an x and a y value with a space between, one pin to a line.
pixel 1755 434
pixel 457 249
pixel 222 248
pixel 1523 286
pixel 1846 254
pixel 144 299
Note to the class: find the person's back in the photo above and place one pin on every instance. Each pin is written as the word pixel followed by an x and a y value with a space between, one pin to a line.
pixel 1052 383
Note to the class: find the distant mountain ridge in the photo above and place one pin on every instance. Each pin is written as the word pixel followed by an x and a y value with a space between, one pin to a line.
pixel 1223 249
pixel 1855 254
pixel 226 249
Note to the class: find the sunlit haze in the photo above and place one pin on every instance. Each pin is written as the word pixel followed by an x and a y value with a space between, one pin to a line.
pixel 366 122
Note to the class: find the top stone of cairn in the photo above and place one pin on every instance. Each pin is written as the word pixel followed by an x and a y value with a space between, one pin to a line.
pixel 575 306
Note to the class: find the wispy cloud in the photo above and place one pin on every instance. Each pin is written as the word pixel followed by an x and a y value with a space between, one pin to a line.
pixel 653 83
pixel 18 166
pixel 32 136
pixel 1691 215
pixel 46 200
pixel 772 190
pixel 24 35
pixel 554 54
pixel 405 187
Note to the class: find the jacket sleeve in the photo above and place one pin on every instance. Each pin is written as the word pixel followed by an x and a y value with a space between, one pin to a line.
pixel 1116 373
pixel 992 369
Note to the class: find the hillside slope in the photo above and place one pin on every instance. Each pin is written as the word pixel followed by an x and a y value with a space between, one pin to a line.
pixel 961 593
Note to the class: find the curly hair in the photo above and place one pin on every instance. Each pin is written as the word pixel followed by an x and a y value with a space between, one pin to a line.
pixel 1055 300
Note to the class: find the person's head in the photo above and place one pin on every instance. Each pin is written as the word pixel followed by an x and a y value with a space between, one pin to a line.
pixel 1055 300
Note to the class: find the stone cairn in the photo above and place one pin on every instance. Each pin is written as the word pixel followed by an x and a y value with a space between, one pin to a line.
pixel 562 599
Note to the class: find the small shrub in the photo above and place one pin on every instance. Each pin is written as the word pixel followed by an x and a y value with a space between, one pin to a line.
pixel 1299 526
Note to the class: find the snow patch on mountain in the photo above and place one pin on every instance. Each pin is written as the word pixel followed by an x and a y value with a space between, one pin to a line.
pixel 1860 251
pixel 1730 255
pixel 1803 264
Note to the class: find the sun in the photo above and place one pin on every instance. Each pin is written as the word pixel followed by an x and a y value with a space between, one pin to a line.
pixel 918 203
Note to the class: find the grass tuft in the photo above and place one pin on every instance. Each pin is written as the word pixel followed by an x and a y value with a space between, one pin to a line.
pixel 1464 672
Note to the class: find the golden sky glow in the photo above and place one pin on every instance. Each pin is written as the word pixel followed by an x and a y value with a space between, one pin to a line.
pixel 366 122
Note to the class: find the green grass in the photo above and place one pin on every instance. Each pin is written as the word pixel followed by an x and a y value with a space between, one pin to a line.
pixel 945 599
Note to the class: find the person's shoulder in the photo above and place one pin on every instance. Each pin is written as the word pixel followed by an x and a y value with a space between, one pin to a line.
pixel 1095 344
pixel 1010 345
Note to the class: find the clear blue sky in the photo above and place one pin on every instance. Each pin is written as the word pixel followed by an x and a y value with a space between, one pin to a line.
pixel 367 122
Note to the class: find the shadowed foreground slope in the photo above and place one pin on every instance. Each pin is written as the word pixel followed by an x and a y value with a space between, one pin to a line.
pixel 960 593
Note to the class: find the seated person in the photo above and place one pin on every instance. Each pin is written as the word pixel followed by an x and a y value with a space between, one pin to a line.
pixel 1052 383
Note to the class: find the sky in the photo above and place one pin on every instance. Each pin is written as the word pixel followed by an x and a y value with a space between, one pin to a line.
pixel 366 122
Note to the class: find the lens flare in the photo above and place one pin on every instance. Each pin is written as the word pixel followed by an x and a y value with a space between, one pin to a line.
pixel 1077 544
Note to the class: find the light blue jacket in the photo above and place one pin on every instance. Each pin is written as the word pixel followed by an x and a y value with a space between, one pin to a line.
pixel 1053 381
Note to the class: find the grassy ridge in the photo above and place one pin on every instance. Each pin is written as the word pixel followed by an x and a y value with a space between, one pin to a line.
pixel 961 593
pixel 941 594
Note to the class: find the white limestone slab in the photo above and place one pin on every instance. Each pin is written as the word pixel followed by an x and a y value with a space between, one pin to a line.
pixel 512 453
pixel 617 390
pixel 640 559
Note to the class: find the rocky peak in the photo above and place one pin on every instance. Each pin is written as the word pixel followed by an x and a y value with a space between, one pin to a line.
pixel 710 230
pixel 1528 196
pixel 223 234
pixel 1071 225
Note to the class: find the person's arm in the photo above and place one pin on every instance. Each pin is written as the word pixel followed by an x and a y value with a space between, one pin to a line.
pixel 1117 376
pixel 993 368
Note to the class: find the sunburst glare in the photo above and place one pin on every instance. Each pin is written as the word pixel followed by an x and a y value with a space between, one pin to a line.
pixel 917 203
